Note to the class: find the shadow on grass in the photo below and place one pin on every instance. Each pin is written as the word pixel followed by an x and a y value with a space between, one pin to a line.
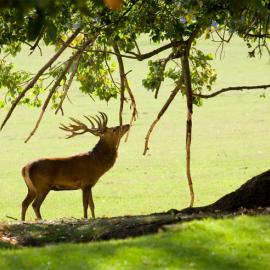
pixel 241 243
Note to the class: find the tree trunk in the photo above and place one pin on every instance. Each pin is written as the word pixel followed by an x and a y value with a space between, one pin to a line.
pixel 253 194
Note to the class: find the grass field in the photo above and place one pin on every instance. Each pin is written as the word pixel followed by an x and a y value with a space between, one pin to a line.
pixel 230 145
pixel 231 244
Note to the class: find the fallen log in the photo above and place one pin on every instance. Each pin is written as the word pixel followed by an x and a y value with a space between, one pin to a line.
pixel 252 198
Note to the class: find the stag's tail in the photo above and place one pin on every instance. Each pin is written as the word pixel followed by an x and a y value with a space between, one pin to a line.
pixel 26 176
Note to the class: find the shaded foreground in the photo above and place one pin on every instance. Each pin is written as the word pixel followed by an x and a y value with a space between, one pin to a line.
pixel 252 198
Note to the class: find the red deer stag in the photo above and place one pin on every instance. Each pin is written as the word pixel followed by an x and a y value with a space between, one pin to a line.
pixel 81 171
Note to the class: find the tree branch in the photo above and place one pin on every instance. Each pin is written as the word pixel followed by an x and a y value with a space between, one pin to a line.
pixel 37 76
pixel 232 88
pixel 144 56
pixel 160 114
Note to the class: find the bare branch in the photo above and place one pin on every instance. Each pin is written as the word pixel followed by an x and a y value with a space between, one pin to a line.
pixel 37 76
pixel 54 87
pixel 46 102
pixel 133 55
pixel 160 114
pixel 232 88
pixel 67 86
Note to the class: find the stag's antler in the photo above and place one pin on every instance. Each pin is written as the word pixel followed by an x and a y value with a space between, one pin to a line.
pixel 79 128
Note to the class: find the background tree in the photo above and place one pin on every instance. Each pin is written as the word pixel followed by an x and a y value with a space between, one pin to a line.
pixel 95 36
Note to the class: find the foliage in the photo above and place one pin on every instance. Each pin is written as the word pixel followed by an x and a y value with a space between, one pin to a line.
pixel 52 21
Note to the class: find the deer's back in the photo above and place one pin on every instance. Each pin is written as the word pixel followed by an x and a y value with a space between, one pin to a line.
pixel 65 173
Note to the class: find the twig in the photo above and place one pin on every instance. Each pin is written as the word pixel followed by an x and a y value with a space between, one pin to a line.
pixel 36 44
pixel 67 86
pixel 160 114
pixel 163 66
pixel 36 77
pixel 13 218
pixel 109 70
pixel 137 47
pixel 103 51
pixel 232 88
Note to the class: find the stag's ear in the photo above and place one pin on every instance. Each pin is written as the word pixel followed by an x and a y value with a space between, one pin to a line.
pixel 99 133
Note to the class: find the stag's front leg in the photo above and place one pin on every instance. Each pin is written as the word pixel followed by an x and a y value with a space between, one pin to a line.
pixel 91 204
pixel 86 193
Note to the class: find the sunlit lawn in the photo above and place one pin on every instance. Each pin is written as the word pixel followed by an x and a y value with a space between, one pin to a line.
pixel 240 243
pixel 230 143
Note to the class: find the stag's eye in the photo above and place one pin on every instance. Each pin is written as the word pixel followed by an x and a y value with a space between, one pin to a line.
pixel 114 130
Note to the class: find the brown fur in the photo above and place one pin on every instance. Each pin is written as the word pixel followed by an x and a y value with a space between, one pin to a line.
pixel 76 172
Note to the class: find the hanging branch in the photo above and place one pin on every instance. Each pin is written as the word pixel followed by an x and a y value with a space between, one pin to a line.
pixel 124 85
pixel 54 87
pixel 162 111
pixel 186 74
pixel 187 82
pixel 67 86
pixel 233 88
pixel 37 76
pixel 122 82
pixel 189 98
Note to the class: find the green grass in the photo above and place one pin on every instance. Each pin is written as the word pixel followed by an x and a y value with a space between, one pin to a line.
pixel 240 243
pixel 230 145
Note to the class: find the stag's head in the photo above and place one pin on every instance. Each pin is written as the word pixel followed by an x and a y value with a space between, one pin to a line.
pixel 98 128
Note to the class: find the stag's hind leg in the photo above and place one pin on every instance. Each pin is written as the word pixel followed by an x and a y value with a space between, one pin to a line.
pixel 40 197
pixel 91 204
pixel 26 202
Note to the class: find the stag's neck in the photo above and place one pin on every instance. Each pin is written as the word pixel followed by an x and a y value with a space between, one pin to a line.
pixel 104 152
